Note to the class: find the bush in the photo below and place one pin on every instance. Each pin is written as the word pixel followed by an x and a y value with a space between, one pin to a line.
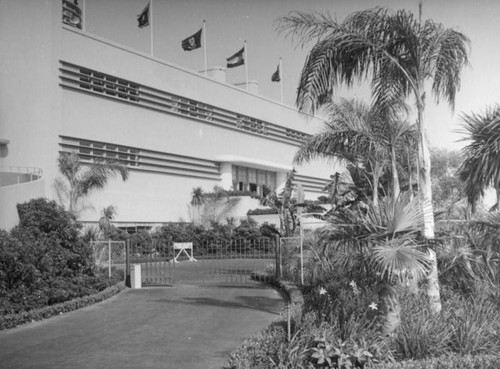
pixel 262 212
pixel 13 320
pixel 422 333
pixel 40 216
pixel 446 362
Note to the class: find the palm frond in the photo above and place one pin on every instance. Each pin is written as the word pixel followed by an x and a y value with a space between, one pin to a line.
pixel 399 256
pixel 306 26
pixel 480 168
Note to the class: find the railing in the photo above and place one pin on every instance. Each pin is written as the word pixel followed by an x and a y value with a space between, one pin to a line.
pixel 19 174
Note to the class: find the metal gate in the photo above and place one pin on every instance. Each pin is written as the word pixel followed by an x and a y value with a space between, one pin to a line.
pixel 156 260
pixel 226 262
pixel 110 259
pixel 229 262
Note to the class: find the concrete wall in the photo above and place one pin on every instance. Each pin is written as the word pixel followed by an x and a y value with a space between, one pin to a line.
pixel 35 111
pixel 10 196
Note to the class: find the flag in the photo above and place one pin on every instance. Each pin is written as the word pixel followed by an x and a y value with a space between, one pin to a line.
pixel 192 42
pixel 276 75
pixel 237 59
pixel 143 18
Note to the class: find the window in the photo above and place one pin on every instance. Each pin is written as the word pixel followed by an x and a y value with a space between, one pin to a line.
pixel 254 180
pixel 109 85
pixel 71 14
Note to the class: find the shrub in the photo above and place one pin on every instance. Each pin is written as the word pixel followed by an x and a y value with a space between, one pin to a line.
pixel 422 333
pixel 446 362
pixel 40 216
pixel 13 320
pixel 476 323
pixel 266 211
pixel 260 350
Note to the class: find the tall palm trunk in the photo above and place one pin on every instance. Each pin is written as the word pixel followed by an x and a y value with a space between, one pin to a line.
pixel 395 178
pixel 425 195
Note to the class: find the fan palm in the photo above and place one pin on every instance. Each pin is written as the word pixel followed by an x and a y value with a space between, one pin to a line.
pixel 481 166
pixel 383 238
pixel 398 52
pixel 82 179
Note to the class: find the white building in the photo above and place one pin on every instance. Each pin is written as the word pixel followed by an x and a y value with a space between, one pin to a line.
pixel 63 89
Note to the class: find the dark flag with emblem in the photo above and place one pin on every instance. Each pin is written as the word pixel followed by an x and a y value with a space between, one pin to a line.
pixel 143 18
pixel 276 75
pixel 192 42
pixel 237 59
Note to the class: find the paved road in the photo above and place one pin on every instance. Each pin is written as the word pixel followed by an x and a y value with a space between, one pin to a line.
pixel 185 326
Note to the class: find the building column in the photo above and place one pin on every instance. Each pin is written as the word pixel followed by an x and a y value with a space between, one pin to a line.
pixel 226 175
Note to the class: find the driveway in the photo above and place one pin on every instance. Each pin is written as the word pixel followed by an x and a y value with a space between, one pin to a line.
pixel 185 326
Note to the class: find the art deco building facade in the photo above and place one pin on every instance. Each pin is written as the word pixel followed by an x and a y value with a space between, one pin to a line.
pixel 65 90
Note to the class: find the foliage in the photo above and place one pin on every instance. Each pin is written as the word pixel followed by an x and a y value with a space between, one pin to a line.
pixel 266 211
pixel 446 362
pixel 399 53
pixel 366 137
pixel 14 320
pixel 43 260
pixel 446 186
pixel 44 217
pixel 80 180
pixel 422 333
pixel 217 205
pixel 480 168
pixel 284 201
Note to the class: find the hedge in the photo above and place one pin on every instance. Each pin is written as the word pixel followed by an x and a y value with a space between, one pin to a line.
pixel 14 320
pixel 255 351
pixel 447 362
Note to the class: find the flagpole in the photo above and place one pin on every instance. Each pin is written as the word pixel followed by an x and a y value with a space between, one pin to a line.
pixel 246 64
pixel 281 81
pixel 84 15
pixel 205 45
pixel 151 21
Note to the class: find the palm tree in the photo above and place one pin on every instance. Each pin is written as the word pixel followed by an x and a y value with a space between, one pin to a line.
pixel 218 205
pixel 107 215
pixel 283 202
pixel 402 56
pixel 481 166
pixel 367 137
pixel 197 201
pixel 398 52
pixel 382 239
pixel 81 179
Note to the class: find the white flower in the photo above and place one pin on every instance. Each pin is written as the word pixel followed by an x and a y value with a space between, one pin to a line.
pixel 373 306
pixel 322 291
pixel 353 284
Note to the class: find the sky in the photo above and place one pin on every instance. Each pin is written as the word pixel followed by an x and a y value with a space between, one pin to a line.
pixel 229 23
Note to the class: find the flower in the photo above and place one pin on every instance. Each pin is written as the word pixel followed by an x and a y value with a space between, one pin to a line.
pixel 322 291
pixel 353 284
pixel 373 306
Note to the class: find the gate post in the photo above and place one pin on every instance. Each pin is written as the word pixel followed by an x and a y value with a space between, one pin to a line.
pixel 278 257
pixel 109 258
pixel 127 264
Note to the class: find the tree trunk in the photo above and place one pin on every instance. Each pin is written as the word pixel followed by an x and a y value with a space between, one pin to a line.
pixel 375 188
pixel 395 178
pixel 425 196
pixel 390 309
pixel 432 284
pixel 425 190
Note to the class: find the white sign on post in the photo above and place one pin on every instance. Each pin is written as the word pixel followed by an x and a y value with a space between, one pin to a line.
pixel 183 247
